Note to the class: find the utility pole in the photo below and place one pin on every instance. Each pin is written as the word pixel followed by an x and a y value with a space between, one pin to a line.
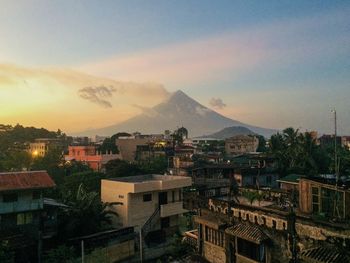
pixel 141 248
pixel 336 167
pixel 82 251
pixel 335 146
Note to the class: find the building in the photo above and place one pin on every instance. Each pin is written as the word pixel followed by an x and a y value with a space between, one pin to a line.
pixel 152 202
pixel 290 182
pixel 328 140
pixel 21 211
pixel 256 177
pixel 42 145
pixel 128 146
pixel 241 144
pixel 91 156
pixel 228 231
pixel 319 197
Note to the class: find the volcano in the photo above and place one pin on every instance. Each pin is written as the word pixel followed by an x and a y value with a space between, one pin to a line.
pixel 178 110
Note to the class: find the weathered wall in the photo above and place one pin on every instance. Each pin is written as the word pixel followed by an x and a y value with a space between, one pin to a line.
pixel 213 253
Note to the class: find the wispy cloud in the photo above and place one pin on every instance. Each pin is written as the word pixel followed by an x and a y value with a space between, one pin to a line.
pixel 64 93
pixel 217 103
pixel 231 53
pixel 98 95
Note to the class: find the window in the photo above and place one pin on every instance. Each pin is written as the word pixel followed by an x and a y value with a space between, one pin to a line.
pixel 36 195
pixel 147 197
pixel 315 200
pixel 329 200
pixel 180 195
pixel 250 250
pixel 121 196
pixel 165 222
pixel 24 218
pixel 268 180
pixel 173 196
pixel 8 198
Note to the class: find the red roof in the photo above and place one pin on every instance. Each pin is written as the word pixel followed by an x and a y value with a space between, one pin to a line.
pixel 25 180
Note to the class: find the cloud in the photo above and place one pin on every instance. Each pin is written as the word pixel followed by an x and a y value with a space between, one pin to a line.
pixel 229 54
pixel 69 99
pixel 217 103
pixel 98 95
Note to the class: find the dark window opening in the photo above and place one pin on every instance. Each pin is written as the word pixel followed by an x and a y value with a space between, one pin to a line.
pixel 8 198
pixel 165 222
pixel 36 195
pixel 147 197
pixel 250 250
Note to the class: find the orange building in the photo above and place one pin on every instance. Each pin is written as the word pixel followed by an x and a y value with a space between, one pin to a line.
pixel 90 155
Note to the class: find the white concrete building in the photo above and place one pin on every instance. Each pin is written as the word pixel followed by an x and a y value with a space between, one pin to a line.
pixel 152 202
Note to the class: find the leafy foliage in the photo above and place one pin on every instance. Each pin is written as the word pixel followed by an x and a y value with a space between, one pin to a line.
pixel 60 254
pixel 120 168
pixel 298 153
pixel 86 214
pixel 6 254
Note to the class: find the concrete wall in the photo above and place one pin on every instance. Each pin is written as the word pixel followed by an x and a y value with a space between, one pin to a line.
pixel 113 253
pixel 213 253
pixel 133 211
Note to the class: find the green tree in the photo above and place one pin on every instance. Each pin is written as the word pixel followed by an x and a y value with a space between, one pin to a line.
pixel 121 168
pixel 108 145
pixel 90 179
pixel 157 165
pixel 61 254
pixel 16 161
pixel 6 254
pixel 86 214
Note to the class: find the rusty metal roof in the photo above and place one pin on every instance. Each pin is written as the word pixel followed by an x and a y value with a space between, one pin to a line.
pixel 25 180
pixel 324 255
pixel 248 232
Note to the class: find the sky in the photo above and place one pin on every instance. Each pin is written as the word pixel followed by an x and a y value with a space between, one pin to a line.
pixel 76 65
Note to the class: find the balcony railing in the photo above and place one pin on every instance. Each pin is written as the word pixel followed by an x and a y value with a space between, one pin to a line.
pixel 172 209
pixel 21 206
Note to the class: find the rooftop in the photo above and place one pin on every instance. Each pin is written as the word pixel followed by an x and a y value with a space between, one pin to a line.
pixel 148 182
pixel 147 178
pixel 290 178
pixel 25 180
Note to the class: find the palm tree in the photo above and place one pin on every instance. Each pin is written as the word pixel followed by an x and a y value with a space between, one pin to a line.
pixel 86 213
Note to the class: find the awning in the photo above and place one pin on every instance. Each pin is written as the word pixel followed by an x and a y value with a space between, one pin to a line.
pixel 248 232
pixel 324 255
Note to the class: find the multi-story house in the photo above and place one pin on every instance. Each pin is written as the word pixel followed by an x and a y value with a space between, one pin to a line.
pixel 152 202
pixel 21 206
pixel 234 229
pixel 90 155
pixel 241 144
pixel 41 146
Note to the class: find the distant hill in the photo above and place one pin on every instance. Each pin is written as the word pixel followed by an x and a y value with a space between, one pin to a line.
pixel 178 110
pixel 231 131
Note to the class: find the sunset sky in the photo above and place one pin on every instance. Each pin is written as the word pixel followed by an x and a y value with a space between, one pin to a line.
pixel 76 65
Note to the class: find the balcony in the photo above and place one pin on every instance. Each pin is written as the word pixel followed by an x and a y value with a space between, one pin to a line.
pixel 172 209
pixel 21 206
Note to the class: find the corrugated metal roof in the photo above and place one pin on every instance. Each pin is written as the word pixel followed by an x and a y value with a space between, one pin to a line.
pixel 324 255
pixel 25 180
pixel 248 232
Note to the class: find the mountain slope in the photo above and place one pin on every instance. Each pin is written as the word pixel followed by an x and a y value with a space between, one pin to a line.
pixel 230 131
pixel 178 110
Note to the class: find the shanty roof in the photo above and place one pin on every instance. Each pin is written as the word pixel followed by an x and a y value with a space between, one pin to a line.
pixel 248 232
pixel 324 255
pixel 25 180
pixel 291 178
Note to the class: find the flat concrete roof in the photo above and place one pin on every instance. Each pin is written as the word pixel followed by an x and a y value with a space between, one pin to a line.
pixel 148 182
pixel 147 178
